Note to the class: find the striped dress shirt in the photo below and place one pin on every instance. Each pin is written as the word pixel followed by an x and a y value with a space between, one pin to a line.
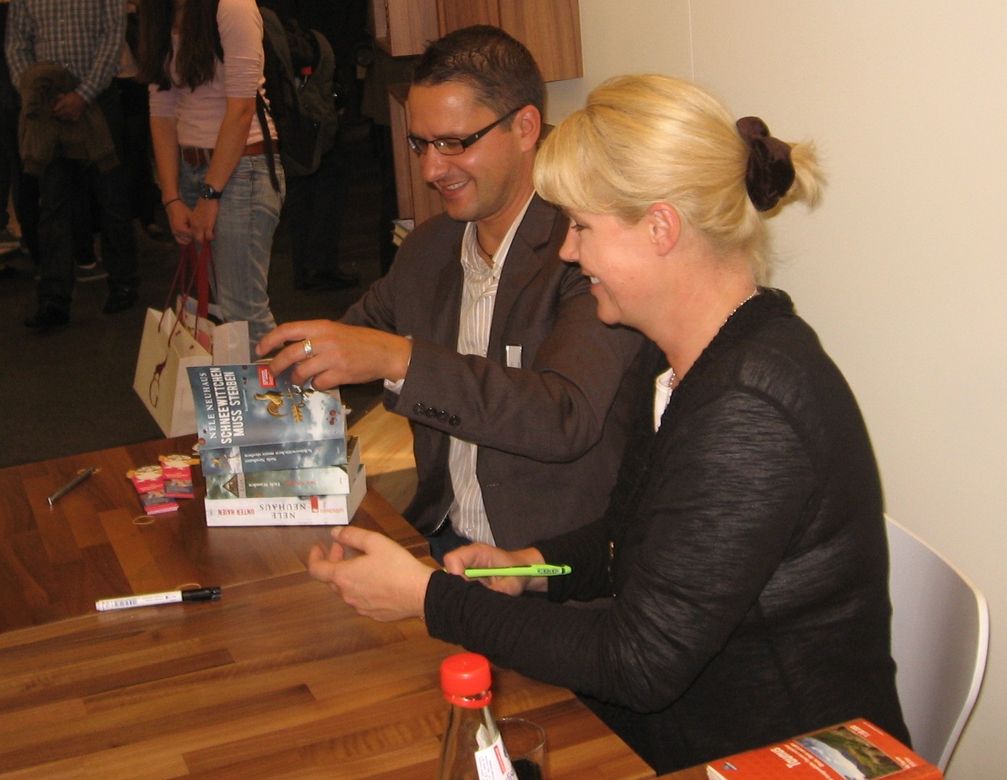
pixel 84 36
pixel 467 512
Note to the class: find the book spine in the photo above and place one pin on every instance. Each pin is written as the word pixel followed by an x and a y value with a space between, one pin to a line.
pixel 288 510
pixel 274 457
pixel 266 484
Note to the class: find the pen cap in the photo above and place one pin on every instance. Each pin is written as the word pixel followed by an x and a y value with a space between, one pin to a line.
pixel 202 594
pixel 466 680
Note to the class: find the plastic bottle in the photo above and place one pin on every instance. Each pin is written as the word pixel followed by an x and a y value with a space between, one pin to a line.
pixel 472 748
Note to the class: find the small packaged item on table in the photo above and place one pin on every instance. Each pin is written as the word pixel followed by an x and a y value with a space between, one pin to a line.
pixel 149 484
pixel 176 469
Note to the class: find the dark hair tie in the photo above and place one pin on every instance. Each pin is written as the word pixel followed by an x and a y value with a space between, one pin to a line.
pixel 770 172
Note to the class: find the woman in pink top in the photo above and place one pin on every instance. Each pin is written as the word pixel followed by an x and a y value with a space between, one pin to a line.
pixel 204 62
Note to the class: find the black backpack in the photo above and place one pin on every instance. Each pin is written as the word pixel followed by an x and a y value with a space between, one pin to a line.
pixel 299 66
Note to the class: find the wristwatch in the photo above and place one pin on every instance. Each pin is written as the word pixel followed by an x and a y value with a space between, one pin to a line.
pixel 207 192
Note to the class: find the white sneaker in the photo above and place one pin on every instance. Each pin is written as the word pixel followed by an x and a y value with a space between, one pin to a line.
pixel 91 272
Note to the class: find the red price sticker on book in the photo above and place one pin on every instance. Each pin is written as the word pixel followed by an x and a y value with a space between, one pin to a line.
pixel 266 378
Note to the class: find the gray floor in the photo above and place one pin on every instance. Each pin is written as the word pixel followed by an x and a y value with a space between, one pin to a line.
pixel 70 390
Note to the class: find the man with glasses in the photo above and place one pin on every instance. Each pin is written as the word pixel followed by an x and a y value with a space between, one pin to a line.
pixel 519 398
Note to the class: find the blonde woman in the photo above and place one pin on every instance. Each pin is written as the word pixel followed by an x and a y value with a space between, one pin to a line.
pixel 743 544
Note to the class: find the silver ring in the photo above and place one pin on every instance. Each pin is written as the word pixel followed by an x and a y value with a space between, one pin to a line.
pixel 308 349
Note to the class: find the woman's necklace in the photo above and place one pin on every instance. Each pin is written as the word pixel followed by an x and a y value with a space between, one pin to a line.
pixel 734 311
pixel 672 376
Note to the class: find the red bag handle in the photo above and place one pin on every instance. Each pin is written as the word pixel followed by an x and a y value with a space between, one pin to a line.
pixel 193 271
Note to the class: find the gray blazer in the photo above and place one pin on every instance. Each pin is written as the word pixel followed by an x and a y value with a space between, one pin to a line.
pixel 551 433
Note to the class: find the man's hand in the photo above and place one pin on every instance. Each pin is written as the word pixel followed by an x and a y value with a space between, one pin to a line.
pixel 339 354
pixel 376 576
pixel 483 556
pixel 69 107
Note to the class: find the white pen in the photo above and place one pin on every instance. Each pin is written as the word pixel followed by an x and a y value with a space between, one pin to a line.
pixel 156 599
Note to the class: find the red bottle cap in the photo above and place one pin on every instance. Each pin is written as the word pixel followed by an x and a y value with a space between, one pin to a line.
pixel 464 676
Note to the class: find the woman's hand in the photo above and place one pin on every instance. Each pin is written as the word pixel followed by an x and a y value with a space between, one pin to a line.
pixel 376 576
pixel 339 354
pixel 180 221
pixel 203 218
pixel 483 556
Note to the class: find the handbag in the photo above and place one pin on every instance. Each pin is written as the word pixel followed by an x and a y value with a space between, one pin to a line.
pixel 170 344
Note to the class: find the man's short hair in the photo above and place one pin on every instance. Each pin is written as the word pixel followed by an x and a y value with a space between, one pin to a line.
pixel 498 67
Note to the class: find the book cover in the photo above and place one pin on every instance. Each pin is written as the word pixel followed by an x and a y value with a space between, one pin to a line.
pixel 318 481
pixel 288 510
pixel 245 405
pixel 250 421
pixel 855 750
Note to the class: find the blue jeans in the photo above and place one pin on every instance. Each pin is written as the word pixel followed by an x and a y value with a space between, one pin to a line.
pixel 243 239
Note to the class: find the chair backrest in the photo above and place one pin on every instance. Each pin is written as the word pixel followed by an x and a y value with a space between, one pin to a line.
pixel 940 635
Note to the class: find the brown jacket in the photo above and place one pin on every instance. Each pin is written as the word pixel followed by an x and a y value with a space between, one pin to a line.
pixel 42 137
pixel 552 433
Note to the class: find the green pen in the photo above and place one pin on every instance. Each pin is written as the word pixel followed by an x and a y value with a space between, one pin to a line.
pixel 533 570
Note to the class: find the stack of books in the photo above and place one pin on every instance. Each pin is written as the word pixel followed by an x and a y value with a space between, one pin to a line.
pixel 273 453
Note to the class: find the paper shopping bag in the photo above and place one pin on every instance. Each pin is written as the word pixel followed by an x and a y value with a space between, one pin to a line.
pixel 228 341
pixel 161 381
pixel 185 336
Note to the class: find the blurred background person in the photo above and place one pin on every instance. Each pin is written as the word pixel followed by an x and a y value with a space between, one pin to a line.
pixel 10 161
pixel 313 209
pixel 77 101
pixel 144 194
pixel 204 62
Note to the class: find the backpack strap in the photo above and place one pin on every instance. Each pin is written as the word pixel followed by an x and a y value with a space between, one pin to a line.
pixel 267 140
pixel 272 30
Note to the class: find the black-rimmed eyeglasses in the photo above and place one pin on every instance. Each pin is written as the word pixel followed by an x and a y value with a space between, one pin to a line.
pixel 453 146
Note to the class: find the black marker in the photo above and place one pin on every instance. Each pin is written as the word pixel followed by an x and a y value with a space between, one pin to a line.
pixel 156 599
pixel 81 476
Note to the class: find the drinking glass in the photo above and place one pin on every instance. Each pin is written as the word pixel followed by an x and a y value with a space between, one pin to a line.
pixel 525 743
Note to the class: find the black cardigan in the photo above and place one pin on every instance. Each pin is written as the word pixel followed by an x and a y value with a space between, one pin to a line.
pixel 745 547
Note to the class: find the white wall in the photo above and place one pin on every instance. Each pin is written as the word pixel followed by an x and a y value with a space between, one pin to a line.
pixel 902 270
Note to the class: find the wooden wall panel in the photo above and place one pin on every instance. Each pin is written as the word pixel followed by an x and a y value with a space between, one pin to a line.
pixel 455 14
pixel 400 150
pixel 551 31
pixel 407 25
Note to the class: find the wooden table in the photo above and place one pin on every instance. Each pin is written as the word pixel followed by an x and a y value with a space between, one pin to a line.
pixel 692 773
pixel 277 679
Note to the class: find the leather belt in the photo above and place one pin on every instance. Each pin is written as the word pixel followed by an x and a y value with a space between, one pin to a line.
pixel 196 156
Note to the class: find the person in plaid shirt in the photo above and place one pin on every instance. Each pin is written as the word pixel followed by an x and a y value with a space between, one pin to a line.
pixel 84 38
